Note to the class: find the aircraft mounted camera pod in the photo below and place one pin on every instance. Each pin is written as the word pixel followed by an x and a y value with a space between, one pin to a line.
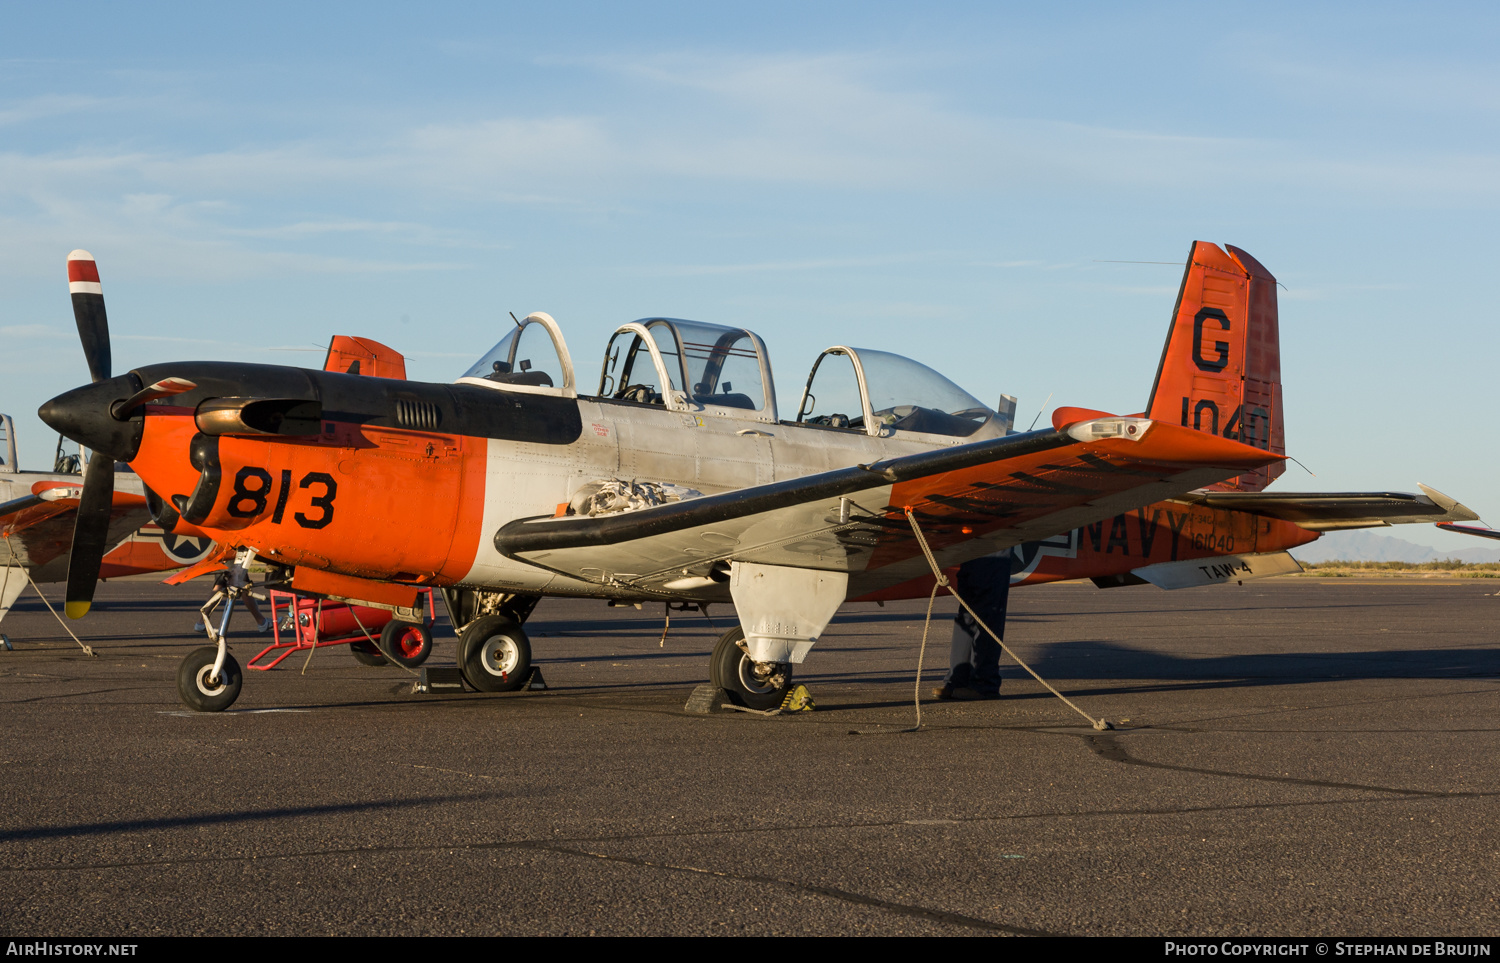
pixel 510 485
pixel 38 514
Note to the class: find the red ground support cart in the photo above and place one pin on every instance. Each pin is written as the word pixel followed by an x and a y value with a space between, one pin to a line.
pixel 375 636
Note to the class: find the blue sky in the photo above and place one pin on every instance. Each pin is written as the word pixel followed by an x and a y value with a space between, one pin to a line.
pixel 947 181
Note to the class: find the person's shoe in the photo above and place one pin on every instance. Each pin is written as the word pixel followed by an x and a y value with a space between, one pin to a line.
pixel 945 693
pixel 960 693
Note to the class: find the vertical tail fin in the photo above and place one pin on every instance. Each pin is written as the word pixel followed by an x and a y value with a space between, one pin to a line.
pixel 364 356
pixel 1221 368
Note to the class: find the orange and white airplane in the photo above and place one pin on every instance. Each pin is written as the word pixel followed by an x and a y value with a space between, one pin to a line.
pixel 37 515
pixel 679 480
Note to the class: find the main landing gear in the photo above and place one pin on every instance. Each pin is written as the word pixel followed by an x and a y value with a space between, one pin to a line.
pixel 754 685
pixel 494 654
pixel 209 679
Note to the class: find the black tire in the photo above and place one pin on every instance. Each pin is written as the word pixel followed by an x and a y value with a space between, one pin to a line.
pixel 365 653
pixel 732 670
pixel 405 643
pixel 494 654
pixel 196 692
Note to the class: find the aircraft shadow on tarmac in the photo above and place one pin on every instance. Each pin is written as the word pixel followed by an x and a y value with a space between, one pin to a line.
pixel 232 817
pixel 1101 661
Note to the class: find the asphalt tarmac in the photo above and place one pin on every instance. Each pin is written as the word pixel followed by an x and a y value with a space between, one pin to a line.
pixel 1293 757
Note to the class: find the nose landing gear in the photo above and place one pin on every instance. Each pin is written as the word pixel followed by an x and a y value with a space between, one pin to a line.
pixel 209 679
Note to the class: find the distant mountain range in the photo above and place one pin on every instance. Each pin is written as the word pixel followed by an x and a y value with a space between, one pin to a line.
pixel 1364 545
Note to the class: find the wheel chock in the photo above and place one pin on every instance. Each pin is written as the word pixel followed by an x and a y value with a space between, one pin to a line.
pixel 535 682
pixel 6 639
pixel 705 700
pixel 798 700
pixel 439 680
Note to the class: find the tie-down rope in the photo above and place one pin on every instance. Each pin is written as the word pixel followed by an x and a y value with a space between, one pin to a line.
pixel 942 582
pixel 36 588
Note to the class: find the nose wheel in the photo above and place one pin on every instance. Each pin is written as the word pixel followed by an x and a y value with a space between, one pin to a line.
pixel 748 683
pixel 200 689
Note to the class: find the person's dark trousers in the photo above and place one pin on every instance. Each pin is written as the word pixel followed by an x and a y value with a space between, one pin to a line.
pixel 974 661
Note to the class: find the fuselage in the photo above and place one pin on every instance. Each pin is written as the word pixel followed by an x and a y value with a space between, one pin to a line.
pixel 403 481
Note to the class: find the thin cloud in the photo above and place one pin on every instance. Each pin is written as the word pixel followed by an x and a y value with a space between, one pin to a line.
pixel 810 264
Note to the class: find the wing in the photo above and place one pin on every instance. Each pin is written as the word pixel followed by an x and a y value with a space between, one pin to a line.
pixel 971 500
pixel 1331 511
pixel 36 530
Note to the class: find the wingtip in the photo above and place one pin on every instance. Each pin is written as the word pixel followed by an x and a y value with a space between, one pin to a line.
pixel 80 255
pixel 1457 512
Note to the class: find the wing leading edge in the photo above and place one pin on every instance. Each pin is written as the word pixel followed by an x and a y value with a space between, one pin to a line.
pixel 971 500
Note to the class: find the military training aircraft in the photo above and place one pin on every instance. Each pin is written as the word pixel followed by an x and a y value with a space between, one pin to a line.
pixel 678 480
pixel 37 517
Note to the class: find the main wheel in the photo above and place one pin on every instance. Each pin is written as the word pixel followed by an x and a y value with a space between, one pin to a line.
pixel 200 693
pixel 754 685
pixel 495 654
pixel 365 653
pixel 406 643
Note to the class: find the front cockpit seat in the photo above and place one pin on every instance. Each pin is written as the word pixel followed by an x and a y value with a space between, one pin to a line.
pixel 503 375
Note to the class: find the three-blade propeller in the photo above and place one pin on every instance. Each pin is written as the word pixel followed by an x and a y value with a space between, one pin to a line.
pixel 96 501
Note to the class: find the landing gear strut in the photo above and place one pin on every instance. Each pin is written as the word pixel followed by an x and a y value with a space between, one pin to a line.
pixel 754 685
pixel 209 679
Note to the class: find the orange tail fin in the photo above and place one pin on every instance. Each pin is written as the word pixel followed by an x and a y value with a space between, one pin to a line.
pixel 364 356
pixel 1221 369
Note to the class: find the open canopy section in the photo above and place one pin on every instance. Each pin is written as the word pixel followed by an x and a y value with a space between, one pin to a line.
pixel 689 365
pixel 531 358
pixel 878 392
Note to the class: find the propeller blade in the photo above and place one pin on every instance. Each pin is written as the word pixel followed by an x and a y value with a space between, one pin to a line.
pixel 88 311
pixel 90 534
pixel 165 388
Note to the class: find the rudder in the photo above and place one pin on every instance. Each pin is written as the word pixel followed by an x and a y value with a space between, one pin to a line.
pixel 1220 371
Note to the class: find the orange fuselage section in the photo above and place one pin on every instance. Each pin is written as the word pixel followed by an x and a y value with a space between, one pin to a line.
pixel 376 502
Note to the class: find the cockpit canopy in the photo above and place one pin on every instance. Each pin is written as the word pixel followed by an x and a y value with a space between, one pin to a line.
pixel 877 392
pixel 724 371
pixel 689 365
pixel 531 358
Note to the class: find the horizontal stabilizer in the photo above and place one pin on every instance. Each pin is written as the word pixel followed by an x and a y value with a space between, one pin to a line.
pixel 1469 530
pixel 1218 570
pixel 1334 511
